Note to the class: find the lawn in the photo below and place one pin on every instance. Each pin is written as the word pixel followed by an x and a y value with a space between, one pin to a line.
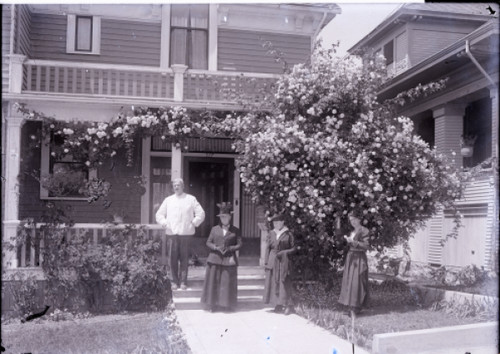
pixel 393 307
pixel 122 333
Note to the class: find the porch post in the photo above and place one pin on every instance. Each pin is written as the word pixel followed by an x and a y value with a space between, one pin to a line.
pixel 179 71
pixel 448 128
pixel 13 123
pixel 448 123
pixel 176 162
pixel 16 72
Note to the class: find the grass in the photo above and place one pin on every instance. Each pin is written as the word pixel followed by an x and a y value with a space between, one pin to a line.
pixel 156 332
pixel 392 307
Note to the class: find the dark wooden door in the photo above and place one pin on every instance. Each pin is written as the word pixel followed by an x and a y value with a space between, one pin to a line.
pixel 210 180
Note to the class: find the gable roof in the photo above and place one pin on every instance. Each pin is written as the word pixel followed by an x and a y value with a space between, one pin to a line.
pixel 455 11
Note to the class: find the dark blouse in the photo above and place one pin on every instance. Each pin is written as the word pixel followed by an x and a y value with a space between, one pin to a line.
pixel 231 242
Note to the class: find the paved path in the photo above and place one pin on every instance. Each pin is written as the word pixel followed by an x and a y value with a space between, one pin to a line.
pixel 257 330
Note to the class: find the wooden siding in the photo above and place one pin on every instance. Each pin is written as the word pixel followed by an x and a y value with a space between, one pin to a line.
pixel 31 206
pixel 447 132
pixel 249 227
pixel 244 51
pixel 23 25
pixel 428 38
pixel 6 32
pixel 122 42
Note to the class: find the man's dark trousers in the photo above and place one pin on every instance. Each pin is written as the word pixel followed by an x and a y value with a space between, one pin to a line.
pixel 179 253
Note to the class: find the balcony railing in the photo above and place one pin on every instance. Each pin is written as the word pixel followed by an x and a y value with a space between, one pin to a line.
pixel 167 86
pixel 30 253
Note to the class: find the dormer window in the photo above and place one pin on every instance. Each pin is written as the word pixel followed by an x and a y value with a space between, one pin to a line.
pixel 189 35
pixel 83 35
pixel 389 52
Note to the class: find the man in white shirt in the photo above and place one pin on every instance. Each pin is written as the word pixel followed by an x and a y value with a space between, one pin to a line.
pixel 179 214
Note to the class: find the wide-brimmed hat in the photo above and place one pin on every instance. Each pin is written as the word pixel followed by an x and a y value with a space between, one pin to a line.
pixel 278 217
pixel 225 208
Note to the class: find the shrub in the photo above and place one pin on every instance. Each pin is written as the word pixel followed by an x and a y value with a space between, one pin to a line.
pixel 23 289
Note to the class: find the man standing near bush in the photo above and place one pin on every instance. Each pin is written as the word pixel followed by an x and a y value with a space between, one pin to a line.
pixel 179 214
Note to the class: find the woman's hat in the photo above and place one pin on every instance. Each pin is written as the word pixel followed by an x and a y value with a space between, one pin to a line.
pixel 278 217
pixel 225 208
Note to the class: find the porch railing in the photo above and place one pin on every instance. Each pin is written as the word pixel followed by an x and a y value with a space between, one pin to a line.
pixel 44 76
pixel 30 255
pixel 142 82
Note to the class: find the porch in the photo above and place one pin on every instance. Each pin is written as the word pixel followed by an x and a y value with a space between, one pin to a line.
pixel 140 85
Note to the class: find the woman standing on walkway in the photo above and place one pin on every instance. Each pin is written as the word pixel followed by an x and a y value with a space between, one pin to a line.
pixel 221 280
pixel 278 286
pixel 354 292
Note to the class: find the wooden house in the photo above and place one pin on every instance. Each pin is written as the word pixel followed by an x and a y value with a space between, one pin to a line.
pixel 87 61
pixel 459 41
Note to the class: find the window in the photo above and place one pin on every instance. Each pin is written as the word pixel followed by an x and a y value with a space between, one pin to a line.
pixel 62 177
pixel 389 53
pixel 189 35
pixel 83 35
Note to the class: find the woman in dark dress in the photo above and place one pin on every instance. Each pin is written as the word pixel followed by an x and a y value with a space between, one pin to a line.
pixel 354 292
pixel 221 280
pixel 278 286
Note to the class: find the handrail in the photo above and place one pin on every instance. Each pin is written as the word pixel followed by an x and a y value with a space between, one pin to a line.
pixel 233 73
pixel 83 65
pixel 103 226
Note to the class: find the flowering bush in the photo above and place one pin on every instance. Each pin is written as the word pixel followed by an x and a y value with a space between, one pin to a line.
pixel 329 147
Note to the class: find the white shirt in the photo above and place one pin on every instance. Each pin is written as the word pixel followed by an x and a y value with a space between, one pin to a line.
pixel 180 214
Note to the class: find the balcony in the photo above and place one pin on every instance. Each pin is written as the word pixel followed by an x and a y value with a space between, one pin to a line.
pixel 153 86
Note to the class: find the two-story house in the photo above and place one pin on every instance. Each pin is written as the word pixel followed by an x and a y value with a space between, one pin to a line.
pixel 427 42
pixel 87 61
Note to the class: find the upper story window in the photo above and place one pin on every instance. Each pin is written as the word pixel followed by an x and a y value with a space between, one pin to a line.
pixel 389 52
pixel 62 177
pixel 189 35
pixel 83 34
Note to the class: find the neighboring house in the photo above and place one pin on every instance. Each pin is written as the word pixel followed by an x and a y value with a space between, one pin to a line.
pixel 427 42
pixel 87 61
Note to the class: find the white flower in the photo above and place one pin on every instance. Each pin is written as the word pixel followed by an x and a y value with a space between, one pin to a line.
pixel 68 131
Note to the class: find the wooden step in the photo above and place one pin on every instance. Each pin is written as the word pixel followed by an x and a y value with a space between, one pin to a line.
pixel 243 290
pixel 244 302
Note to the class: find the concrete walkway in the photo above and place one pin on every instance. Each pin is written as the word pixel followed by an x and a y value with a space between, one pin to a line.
pixel 257 330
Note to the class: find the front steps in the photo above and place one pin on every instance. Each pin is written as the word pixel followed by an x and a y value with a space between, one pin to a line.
pixel 250 289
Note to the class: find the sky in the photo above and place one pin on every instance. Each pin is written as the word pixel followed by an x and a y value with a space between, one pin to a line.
pixel 355 22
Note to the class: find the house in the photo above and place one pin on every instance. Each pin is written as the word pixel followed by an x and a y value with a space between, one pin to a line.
pixel 86 62
pixel 427 42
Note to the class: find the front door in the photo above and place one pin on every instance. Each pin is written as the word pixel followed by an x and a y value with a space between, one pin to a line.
pixel 211 181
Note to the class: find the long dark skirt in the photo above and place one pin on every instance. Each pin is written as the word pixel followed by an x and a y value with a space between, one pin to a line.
pixel 354 292
pixel 220 287
pixel 277 291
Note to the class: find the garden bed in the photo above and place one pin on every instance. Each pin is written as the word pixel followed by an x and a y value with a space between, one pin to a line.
pixel 393 307
pixel 155 332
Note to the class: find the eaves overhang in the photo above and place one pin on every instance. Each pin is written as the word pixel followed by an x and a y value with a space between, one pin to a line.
pixel 404 14
pixel 485 40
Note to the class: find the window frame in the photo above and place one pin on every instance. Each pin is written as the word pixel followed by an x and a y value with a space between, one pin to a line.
pixel 46 161
pixel 72 31
pixel 189 31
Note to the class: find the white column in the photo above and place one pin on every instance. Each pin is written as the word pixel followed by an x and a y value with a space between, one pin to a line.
pixel 165 36
pixel 146 172
pixel 179 71
pixel 16 72
pixel 494 154
pixel 12 152
pixel 212 37
pixel 448 129
pixel 176 162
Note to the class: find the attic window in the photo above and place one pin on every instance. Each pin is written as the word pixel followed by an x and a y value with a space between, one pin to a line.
pixel 389 52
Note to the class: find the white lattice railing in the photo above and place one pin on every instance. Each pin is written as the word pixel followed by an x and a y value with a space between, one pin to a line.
pixel 29 254
pixel 46 76
pixel 113 81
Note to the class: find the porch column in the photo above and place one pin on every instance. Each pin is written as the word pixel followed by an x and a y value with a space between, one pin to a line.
pixel 13 123
pixel 16 72
pixel 176 162
pixel 448 129
pixel 179 71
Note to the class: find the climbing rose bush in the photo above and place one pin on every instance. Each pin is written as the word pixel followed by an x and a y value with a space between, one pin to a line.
pixel 329 148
